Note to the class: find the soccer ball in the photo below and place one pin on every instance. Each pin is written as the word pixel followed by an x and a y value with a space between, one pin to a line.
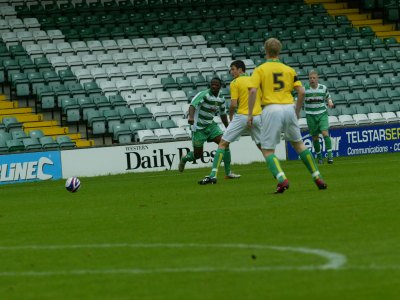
pixel 73 184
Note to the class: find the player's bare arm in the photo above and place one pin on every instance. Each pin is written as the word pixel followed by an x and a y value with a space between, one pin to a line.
pixel 252 101
pixel 232 108
pixel 300 99
pixel 191 115
pixel 330 103
pixel 224 119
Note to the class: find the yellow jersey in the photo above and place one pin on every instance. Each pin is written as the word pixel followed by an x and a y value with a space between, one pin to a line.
pixel 239 88
pixel 276 81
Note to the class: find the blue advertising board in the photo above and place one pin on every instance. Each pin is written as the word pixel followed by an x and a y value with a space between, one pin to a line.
pixel 25 167
pixel 350 141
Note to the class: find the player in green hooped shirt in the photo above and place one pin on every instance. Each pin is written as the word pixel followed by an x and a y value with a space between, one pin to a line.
pixel 316 99
pixel 204 106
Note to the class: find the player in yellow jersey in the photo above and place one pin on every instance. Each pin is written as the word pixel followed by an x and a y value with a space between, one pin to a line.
pixel 238 112
pixel 277 81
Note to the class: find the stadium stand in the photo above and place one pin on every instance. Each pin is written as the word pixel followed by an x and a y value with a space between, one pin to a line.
pixel 151 57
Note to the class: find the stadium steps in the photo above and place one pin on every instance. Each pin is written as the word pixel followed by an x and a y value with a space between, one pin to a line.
pixel 359 19
pixel 368 22
pixel 15 111
pixel 33 121
pixel 8 104
pixel 26 117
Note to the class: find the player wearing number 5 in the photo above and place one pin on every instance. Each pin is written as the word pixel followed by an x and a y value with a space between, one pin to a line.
pixel 277 81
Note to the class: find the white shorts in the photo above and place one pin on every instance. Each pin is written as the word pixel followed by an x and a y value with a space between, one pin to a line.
pixel 278 118
pixel 239 125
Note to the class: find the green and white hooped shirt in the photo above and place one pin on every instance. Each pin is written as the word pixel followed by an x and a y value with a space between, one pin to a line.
pixel 207 106
pixel 315 99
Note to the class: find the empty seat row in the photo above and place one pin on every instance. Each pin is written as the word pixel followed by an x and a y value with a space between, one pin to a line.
pixel 110 72
pixel 380 85
pixel 122 46
pixel 355 58
pixel 149 58
pixel 8 143
pixel 32 37
pixel 374 97
pixel 18 25
pixel 361 115
pixel 68 14
pixel 161 98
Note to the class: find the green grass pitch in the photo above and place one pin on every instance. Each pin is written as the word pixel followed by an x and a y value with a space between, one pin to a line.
pixel 163 236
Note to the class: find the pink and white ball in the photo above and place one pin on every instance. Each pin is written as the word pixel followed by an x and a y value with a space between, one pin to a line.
pixel 73 184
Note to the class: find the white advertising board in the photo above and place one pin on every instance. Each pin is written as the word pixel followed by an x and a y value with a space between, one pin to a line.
pixel 152 157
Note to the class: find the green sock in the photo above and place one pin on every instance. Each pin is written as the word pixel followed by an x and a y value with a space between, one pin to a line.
pixel 275 167
pixel 227 161
pixel 309 161
pixel 216 162
pixel 317 148
pixel 328 145
pixel 188 157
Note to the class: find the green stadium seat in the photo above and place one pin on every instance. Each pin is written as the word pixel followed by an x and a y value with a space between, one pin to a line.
pixel 371 70
pixel 342 20
pixel 361 57
pixel 395 82
pixel 48 143
pixel 15 145
pixel 328 73
pixel 122 134
pixel 351 45
pixel 383 83
pixel 323 47
pixel 96 123
pixel 352 99
pixel 143 113
pixel 20 83
pixel 11 124
pixel 367 97
pixel 333 59
pixel 342 86
pixel 380 96
pixel 391 43
pixel 339 101
pixel 228 39
pixel 347 59
pixel 337 46
pixel 356 85
pixel 71 109
pixel 101 103
pixel 260 24
pixel 394 96
pixel 136 126
pixel 344 72
pixel 45 97
pixel 388 55
pixel 43 64
pixel 169 84
pixel 184 83
pixel 340 33
pixel 366 31
pixel 368 83
pixel 36 133
pixel 112 118
pixel 18 134
pixel 31 144
pixel 65 142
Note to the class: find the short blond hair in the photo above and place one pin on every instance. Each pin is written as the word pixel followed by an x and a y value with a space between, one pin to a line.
pixel 273 47
pixel 313 72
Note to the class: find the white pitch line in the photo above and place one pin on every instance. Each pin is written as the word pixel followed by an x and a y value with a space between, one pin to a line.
pixel 334 260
